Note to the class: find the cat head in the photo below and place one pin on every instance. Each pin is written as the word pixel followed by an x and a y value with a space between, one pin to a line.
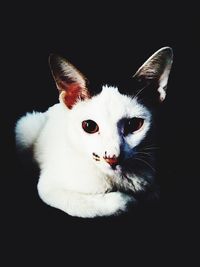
pixel 110 124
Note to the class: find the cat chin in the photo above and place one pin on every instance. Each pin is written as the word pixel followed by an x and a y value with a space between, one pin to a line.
pixel 108 170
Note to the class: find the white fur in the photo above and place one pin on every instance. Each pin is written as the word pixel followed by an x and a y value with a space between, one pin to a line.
pixel 28 128
pixel 70 179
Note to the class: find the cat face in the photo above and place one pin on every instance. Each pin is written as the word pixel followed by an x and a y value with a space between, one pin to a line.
pixel 107 127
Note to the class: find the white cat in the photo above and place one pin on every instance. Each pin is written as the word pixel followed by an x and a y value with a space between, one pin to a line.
pixel 88 146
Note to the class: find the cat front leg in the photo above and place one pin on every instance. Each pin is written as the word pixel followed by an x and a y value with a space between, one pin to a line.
pixel 85 205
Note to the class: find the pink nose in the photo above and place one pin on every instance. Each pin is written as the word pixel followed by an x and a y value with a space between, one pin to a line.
pixel 112 161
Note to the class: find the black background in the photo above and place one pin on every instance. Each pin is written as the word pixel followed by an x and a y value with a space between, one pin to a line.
pixel 106 44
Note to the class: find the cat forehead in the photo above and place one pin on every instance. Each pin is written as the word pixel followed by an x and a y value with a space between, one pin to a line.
pixel 111 101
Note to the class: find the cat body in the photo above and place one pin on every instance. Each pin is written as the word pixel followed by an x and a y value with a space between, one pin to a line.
pixel 88 146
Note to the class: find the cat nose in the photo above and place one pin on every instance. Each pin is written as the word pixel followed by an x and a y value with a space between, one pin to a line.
pixel 112 161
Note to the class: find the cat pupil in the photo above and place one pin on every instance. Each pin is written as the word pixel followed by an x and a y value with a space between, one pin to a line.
pixel 90 126
pixel 132 125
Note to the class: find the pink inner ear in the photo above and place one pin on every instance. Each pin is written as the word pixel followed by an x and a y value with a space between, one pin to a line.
pixel 73 92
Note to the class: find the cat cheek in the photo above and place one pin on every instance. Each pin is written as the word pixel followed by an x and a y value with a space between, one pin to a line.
pixel 95 157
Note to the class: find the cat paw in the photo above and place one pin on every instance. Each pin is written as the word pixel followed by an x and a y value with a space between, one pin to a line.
pixel 118 202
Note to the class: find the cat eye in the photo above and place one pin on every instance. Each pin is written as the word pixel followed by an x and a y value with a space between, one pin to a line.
pixel 133 125
pixel 90 126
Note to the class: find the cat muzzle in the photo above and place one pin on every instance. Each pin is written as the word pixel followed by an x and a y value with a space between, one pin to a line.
pixel 112 161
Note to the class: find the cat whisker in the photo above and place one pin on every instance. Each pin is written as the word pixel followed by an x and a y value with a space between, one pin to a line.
pixel 151 148
pixel 144 153
pixel 97 159
pixel 139 92
pixel 148 164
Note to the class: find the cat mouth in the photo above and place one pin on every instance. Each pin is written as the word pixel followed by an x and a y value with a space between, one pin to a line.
pixel 113 161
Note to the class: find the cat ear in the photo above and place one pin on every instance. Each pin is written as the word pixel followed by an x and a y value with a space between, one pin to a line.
pixel 156 69
pixel 69 81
